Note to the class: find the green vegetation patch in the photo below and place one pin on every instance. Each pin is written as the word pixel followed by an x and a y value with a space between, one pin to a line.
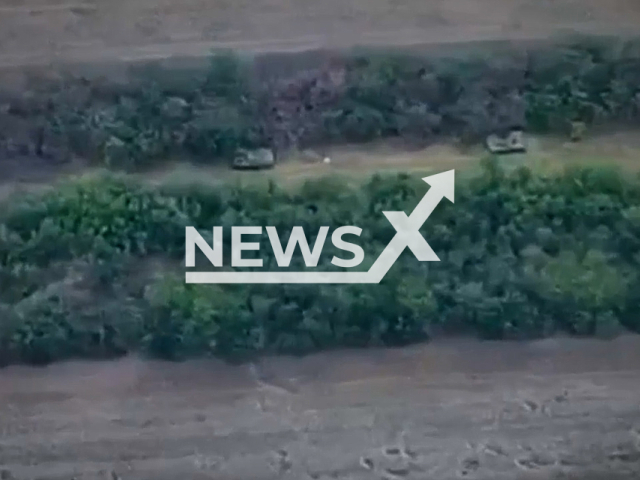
pixel 94 267
pixel 357 97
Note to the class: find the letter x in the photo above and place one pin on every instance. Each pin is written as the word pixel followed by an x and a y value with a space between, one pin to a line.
pixel 408 235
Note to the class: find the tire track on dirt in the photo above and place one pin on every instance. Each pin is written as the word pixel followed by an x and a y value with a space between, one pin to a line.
pixel 467 410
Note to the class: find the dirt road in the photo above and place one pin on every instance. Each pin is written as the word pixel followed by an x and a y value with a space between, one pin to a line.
pixel 545 154
pixel 551 409
pixel 40 31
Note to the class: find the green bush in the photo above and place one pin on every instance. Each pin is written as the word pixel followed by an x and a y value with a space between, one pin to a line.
pixel 93 267
pixel 186 319
pixel 546 89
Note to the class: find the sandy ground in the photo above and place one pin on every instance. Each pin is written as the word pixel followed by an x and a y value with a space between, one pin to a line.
pixel 40 31
pixel 552 409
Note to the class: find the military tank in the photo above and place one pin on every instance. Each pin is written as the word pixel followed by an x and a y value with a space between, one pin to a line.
pixel 510 142
pixel 259 159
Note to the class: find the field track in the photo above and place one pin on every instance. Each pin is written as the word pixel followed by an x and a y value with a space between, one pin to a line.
pixel 34 32
pixel 444 411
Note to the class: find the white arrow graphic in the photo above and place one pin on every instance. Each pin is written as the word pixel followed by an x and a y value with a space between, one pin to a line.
pixel 407 235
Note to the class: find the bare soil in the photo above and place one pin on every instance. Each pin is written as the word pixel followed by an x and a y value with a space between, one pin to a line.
pixel 558 408
pixel 42 31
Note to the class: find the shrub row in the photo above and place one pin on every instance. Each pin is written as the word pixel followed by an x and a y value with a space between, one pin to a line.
pixel 93 267
pixel 355 98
